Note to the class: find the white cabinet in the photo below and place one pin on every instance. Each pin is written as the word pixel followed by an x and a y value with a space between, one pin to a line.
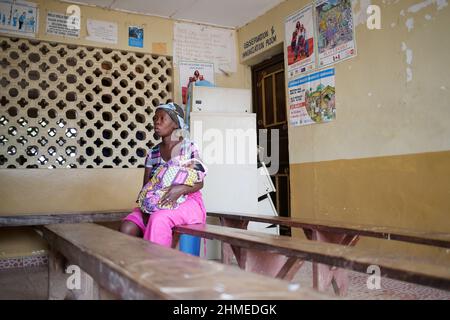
pixel 227 145
pixel 222 125
pixel 214 99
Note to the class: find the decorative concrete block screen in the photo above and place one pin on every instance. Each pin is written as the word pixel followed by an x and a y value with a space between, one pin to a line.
pixel 71 106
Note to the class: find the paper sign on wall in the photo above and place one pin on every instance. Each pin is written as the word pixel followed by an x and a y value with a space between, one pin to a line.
pixel 205 43
pixel 62 25
pixel 312 98
pixel 18 17
pixel 299 41
pixel 102 31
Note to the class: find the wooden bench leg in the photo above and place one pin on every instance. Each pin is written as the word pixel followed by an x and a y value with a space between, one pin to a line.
pixel 227 251
pixel 175 239
pixel 325 275
pixel 57 278
pixel 271 264
pixel 290 268
pixel 241 256
pixel 267 263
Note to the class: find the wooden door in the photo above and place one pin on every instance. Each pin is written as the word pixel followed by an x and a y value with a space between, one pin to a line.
pixel 269 104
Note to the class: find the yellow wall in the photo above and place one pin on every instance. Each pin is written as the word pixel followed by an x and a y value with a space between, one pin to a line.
pixel 62 190
pixel 17 242
pixel 385 159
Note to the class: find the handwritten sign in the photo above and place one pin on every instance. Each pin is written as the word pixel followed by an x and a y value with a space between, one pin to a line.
pixel 194 42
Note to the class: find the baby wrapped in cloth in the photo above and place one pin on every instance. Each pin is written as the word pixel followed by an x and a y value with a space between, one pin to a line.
pixel 176 171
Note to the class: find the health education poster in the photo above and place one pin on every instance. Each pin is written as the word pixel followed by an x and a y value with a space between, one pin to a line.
pixel 192 72
pixel 299 39
pixel 312 98
pixel 18 17
pixel 335 31
pixel 136 36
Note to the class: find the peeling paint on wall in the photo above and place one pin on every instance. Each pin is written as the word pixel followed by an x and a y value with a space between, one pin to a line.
pixel 360 15
pixel 410 24
pixel 408 74
pixel 419 6
pixel 440 4
pixel 409 57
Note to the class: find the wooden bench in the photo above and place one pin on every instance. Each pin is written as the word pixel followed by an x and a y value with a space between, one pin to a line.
pixel 348 233
pixel 131 268
pixel 282 257
pixel 69 217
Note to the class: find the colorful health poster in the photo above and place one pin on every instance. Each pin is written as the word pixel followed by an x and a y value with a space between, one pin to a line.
pixel 312 98
pixel 299 40
pixel 335 31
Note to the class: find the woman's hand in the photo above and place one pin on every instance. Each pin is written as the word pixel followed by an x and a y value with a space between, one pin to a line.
pixel 172 195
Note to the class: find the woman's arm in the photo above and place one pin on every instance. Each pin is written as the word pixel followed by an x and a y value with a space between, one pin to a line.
pixel 147 172
pixel 197 186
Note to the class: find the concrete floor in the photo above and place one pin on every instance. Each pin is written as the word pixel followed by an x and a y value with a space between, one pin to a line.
pixel 31 284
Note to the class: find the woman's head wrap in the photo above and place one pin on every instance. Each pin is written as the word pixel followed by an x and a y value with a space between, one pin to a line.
pixel 175 112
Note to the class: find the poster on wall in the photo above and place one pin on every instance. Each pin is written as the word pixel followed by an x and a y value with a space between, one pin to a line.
pixel 18 17
pixel 61 25
pixel 335 31
pixel 312 98
pixel 136 36
pixel 194 42
pixel 102 31
pixel 299 40
pixel 193 72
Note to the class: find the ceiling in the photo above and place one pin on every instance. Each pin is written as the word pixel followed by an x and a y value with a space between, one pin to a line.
pixel 225 13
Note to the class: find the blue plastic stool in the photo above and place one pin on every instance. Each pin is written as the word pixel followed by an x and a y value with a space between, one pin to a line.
pixel 190 244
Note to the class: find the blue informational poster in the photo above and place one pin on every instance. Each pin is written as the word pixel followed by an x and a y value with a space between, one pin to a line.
pixel 136 36
pixel 18 17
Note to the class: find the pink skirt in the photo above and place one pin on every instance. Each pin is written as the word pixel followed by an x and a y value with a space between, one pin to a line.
pixel 161 222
